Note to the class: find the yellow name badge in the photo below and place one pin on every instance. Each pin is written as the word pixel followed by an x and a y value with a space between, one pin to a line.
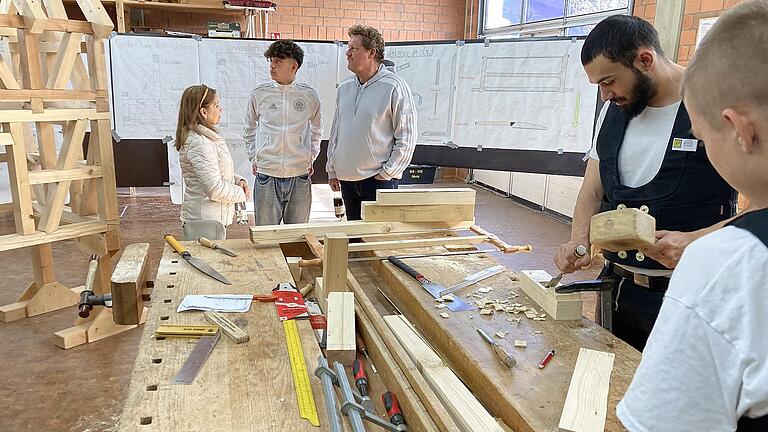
pixel 684 144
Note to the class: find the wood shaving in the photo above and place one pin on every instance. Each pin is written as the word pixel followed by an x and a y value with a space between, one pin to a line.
pixel 501 335
pixel 520 343
pixel 445 315
pixel 486 311
pixel 539 319
pixel 447 297
pixel 440 306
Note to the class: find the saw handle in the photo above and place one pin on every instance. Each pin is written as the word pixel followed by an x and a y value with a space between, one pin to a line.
pixel 207 243
pixel 175 244
pixel 406 268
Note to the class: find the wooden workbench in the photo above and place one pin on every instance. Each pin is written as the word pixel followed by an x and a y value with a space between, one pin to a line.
pixel 245 387
pixel 526 398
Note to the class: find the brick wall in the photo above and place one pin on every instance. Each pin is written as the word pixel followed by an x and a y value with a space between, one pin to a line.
pixel 694 11
pixel 645 9
pixel 398 20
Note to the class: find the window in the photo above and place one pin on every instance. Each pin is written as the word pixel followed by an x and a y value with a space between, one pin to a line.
pixel 539 17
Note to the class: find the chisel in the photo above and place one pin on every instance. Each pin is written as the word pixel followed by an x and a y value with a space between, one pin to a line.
pixel 195 262
pixel 505 357
pixel 213 245
pixel 580 251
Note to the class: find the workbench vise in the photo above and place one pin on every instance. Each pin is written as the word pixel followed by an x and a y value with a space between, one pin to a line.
pixel 88 299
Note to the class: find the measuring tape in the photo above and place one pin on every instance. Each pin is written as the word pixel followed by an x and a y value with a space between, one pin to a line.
pixel 307 407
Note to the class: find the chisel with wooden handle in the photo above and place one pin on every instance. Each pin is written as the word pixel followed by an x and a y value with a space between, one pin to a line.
pixel 195 262
pixel 215 246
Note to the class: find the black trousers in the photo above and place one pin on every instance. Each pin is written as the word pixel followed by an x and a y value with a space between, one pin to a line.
pixel 355 192
pixel 635 309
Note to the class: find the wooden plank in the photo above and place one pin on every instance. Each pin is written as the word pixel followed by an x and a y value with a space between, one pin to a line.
pixel 522 398
pixel 120 15
pixel 42 268
pixel 97 66
pixel 73 137
pixel 295 232
pixel 586 404
pixel 341 328
pixel 438 196
pixel 66 232
pixel 24 95
pixel 33 14
pixel 58 77
pixel 433 405
pixel 394 379
pixel 128 281
pixel 68 215
pixel 55 175
pixel 372 212
pixel 55 9
pixel 415 243
pixel 6 139
pixel 51 115
pixel 558 306
pixel 50 24
pixel 51 297
pixel 245 387
pixel 335 252
pixel 626 229
pixel 19 182
pixel 107 191
pixel 314 245
pixel 463 407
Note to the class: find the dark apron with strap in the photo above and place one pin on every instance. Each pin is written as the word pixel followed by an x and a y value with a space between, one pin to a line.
pixel 755 222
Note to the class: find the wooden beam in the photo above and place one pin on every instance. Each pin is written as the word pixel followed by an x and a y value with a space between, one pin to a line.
pixel 95 14
pixel 271 234
pixel 128 281
pixel 33 14
pixel 315 246
pixel 7 76
pixel 415 243
pixel 341 328
pixel 55 175
pixel 120 15
pixel 51 115
pixel 6 139
pixel 97 66
pixel 73 137
pixel 24 95
pixel 58 77
pixel 67 215
pixel 558 306
pixel 441 196
pixel 335 262
pixel 6 207
pixel 626 229
pixel 55 9
pixel 372 212
pixel 463 407
pixel 107 191
pixel 50 24
pixel 66 232
pixel 587 400
pixel 19 182
pixel 427 396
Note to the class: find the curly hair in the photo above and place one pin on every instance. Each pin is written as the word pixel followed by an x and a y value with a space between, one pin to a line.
pixel 284 49
pixel 371 39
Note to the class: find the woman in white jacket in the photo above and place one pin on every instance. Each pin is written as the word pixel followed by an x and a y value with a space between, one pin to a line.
pixel 211 185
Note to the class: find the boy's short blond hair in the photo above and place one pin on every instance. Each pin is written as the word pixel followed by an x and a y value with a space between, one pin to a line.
pixel 729 68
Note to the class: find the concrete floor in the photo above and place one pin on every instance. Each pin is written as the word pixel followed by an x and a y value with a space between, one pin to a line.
pixel 44 388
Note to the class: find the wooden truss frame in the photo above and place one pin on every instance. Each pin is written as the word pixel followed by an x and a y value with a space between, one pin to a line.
pixel 46 86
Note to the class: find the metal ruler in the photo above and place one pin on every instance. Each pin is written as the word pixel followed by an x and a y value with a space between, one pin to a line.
pixel 304 396
pixel 196 359
pixel 473 279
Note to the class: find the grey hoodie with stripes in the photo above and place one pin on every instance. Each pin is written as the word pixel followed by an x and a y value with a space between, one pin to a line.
pixel 374 128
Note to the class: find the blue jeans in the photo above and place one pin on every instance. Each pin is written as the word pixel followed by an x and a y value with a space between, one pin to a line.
pixel 355 192
pixel 282 199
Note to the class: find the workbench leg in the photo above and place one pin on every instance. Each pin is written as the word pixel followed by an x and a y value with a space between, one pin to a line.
pixel 100 327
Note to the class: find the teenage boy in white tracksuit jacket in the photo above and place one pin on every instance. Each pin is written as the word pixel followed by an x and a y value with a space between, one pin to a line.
pixel 283 129
pixel 374 128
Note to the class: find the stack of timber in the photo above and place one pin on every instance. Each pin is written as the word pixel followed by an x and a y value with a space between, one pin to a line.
pixel 58 191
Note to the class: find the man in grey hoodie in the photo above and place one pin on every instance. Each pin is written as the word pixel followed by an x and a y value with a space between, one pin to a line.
pixel 374 128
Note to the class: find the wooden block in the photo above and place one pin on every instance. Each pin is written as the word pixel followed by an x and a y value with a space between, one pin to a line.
pixel 464 408
pixel 19 182
pixel 13 311
pixel 441 196
pixel 128 281
pixel 558 306
pixel 229 328
pixel 335 262
pixel 293 266
pixel 341 328
pixel 51 297
pixel 66 232
pixel 372 212
pixel 625 229
pixel 70 337
pixel 587 400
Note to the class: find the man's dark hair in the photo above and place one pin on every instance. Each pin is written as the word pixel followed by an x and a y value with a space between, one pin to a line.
pixel 618 38
pixel 284 49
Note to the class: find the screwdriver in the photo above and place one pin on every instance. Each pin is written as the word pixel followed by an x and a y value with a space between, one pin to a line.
pixel 580 251
pixel 393 409
pixel 503 355
pixel 364 350
pixel 361 383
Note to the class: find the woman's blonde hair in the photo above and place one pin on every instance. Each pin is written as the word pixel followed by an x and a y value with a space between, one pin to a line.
pixel 193 98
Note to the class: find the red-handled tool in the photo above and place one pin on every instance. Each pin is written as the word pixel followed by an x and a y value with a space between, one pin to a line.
pixel 361 379
pixel 362 348
pixel 393 409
